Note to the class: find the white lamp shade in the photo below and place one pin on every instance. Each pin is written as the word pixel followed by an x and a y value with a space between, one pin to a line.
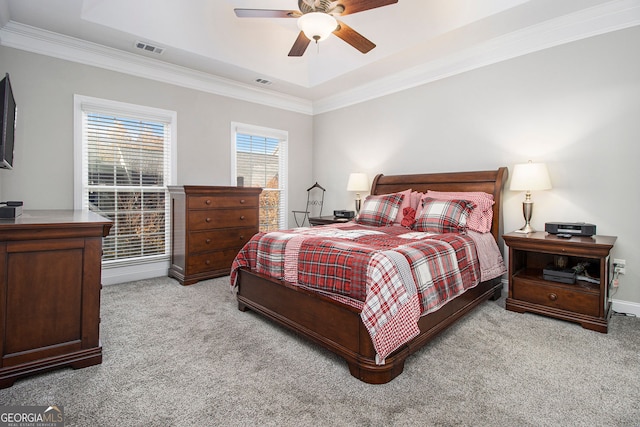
pixel 530 177
pixel 358 182
pixel 317 25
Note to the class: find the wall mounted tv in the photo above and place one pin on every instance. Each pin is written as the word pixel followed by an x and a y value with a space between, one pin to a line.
pixel 8 123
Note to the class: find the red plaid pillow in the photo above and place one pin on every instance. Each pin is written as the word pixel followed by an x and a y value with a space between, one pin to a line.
pixel 443 216
pixel 380 210
pixel 481 217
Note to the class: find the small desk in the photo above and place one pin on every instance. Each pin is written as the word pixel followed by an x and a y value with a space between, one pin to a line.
pixel 324 220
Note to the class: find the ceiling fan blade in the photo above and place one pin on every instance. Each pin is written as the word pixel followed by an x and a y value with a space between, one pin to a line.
pixel 355 6
pixel 354 38
pixel 266 13
pixel 300 45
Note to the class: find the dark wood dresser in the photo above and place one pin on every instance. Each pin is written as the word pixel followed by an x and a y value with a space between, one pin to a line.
pixel 50 270
pixel 209 227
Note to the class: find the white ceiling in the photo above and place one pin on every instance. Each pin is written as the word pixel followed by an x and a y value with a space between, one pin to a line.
pixel 417 40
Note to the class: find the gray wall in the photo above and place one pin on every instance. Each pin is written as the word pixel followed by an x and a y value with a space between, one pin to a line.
pixel 44 88
pixel 575 107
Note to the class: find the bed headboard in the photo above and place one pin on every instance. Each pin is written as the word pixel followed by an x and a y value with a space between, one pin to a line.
pixel 488 181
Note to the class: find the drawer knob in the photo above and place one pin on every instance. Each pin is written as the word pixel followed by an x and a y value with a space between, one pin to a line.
pixel 241 237
pixel 207 262
pixel 208 220
pixel 553 297
pixel 242 218
pixel 208 202
pixel 208 241
pixel 242 201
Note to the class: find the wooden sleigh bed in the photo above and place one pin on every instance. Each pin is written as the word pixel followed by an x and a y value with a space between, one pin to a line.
pixel 338 327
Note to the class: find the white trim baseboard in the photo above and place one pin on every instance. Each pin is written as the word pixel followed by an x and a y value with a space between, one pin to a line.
pixel 130 273
pixel 627 307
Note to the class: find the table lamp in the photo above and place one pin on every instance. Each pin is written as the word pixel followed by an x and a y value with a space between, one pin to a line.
pixel 529 177
pixel 358 182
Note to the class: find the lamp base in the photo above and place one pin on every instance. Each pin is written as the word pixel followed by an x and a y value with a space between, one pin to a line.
pixel 526 229
pixel 527 210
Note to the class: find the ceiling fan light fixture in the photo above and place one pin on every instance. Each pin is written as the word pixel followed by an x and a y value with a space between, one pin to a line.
pixel 317 25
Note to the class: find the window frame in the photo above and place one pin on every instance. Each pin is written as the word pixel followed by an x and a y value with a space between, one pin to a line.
pixel 264 132
pixel 140 267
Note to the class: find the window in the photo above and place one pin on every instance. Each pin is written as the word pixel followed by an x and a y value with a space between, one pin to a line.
pixel 260 160
pixel 124 162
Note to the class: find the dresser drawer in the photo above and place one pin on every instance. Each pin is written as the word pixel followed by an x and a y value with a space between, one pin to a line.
pixel 204 202
pixel 571 297
pixel 203 241
pixel 222 218
pixel 210 261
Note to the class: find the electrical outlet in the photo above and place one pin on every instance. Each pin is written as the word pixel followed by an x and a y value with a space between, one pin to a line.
pixel 620 262
pixel 621 270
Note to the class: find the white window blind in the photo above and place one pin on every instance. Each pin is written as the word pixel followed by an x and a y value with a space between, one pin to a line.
pixel 261 161
pixel 126 160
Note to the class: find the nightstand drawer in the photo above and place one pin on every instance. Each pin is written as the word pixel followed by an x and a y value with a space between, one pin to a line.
pixel 575 300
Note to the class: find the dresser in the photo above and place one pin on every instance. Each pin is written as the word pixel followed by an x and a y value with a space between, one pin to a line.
pixel 584 300
pixel 50 272
pixel 210 225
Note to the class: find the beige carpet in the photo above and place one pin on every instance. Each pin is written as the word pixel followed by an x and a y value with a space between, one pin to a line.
pixel 185 356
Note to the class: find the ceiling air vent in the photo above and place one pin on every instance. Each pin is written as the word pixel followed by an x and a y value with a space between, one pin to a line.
pixel 263 81
pixel 149 48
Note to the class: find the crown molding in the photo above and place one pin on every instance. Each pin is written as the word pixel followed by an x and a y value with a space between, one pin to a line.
pixel 601 19
pixel 605 18
pixel 35 40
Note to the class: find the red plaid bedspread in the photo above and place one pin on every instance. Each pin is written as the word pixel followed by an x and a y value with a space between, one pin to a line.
pixel 391 274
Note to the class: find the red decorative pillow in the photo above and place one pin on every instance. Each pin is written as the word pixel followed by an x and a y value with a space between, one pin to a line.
pixel 380 210
pixel 443 216
pixel 409 217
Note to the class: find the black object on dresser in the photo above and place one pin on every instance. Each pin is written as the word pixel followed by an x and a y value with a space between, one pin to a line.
pixel 210 224
pixel 585 301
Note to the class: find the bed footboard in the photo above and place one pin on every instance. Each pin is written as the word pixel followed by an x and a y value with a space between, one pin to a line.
pixel 338 327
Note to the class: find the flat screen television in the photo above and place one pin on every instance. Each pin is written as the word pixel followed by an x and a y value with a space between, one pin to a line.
pixel 8 123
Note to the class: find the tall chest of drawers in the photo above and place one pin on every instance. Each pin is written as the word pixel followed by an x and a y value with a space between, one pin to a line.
pixel 209 226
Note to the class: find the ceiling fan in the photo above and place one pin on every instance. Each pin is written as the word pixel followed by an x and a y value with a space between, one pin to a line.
pixel 316 20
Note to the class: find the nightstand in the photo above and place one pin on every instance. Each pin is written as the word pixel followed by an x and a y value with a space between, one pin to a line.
pixel 324 220
pixel 582 302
